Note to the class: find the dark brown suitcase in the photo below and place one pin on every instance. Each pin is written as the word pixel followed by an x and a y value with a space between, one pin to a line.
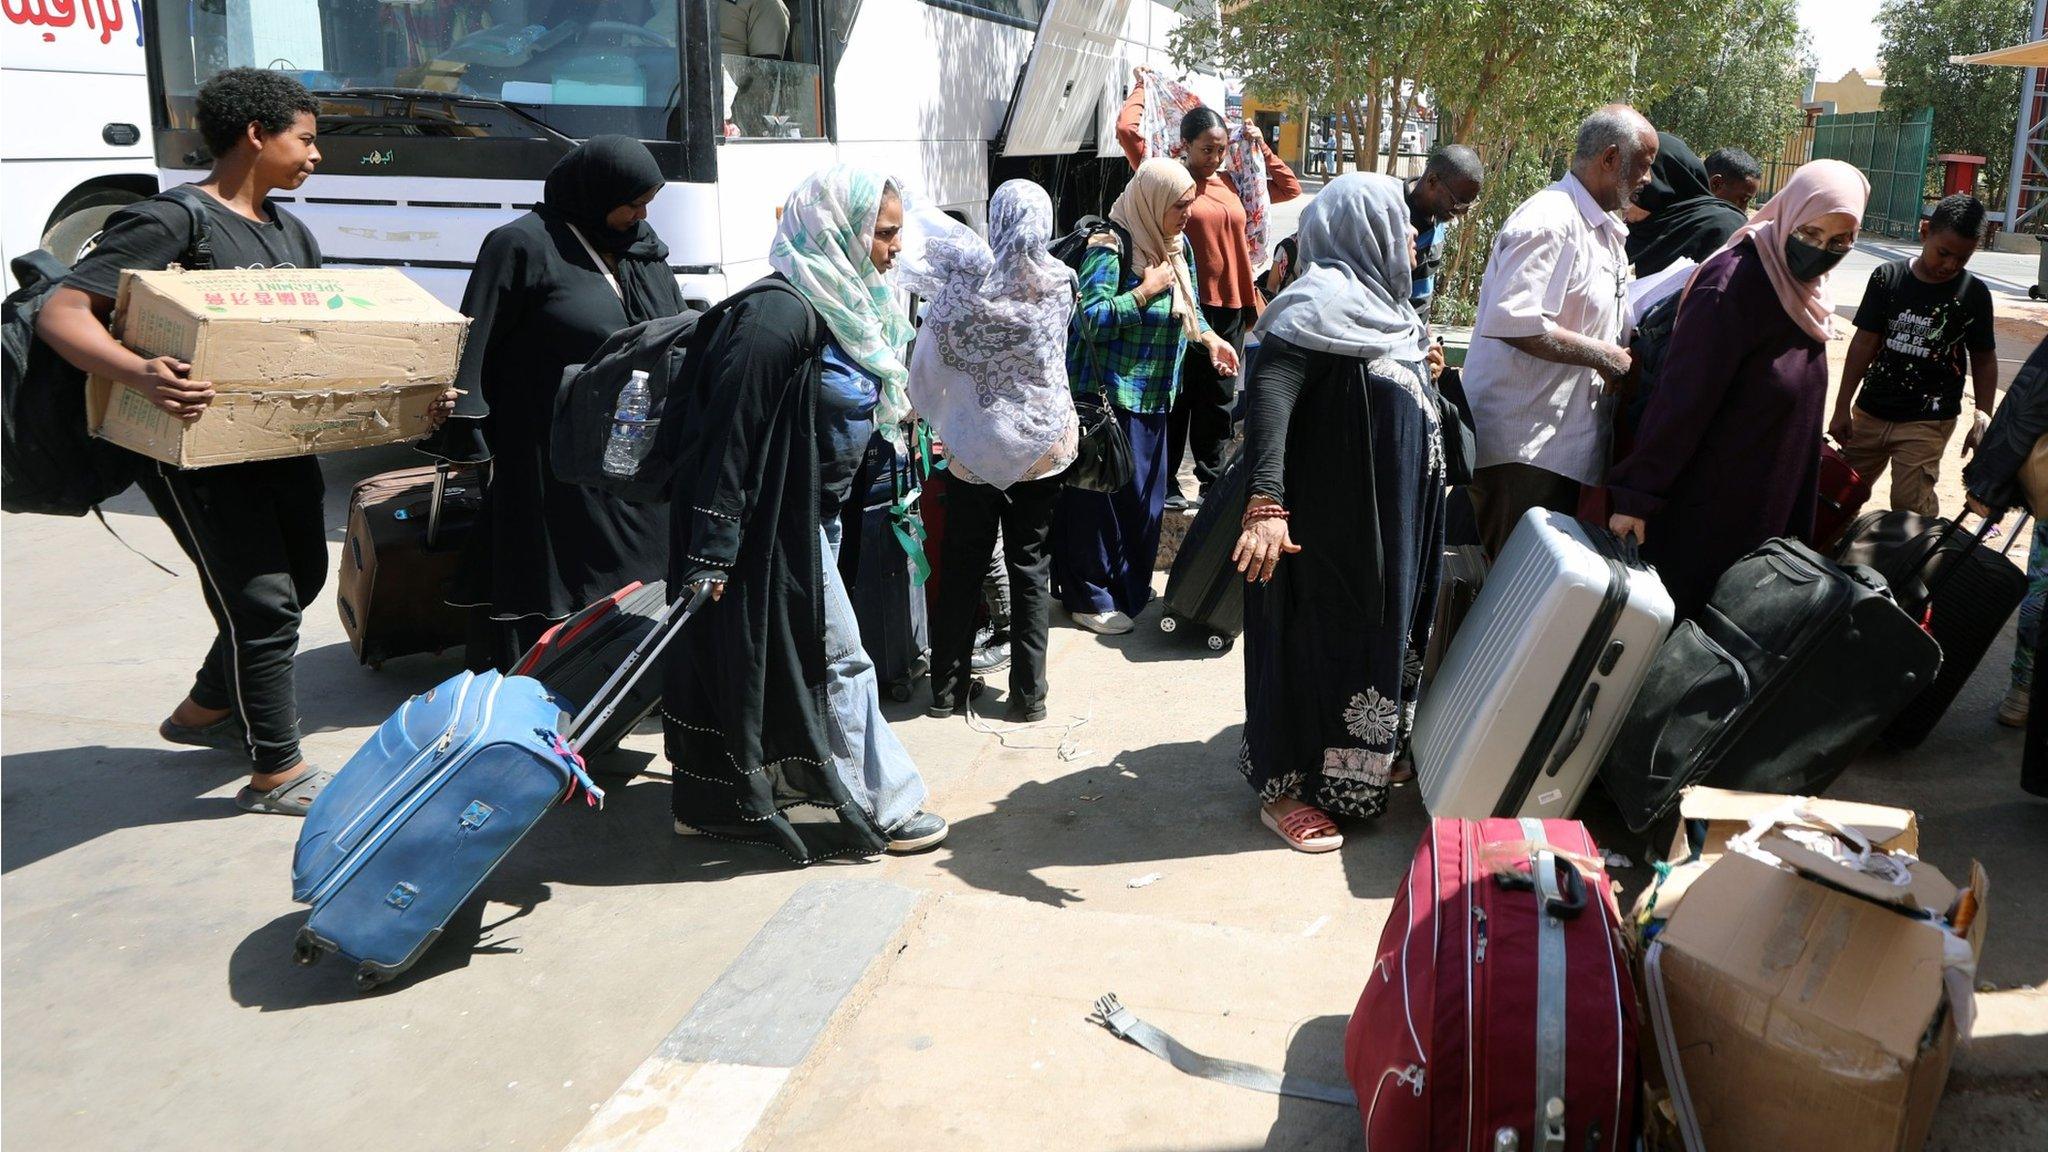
pixel 405 535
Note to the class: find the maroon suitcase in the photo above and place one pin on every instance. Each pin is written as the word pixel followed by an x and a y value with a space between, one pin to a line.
pixel 1499 1015
pixel 1843 491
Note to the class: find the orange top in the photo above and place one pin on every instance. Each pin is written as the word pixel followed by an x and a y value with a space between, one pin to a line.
pixel 1216 226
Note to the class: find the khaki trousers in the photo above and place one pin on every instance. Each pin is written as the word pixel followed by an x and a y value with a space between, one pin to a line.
pixel 1912 449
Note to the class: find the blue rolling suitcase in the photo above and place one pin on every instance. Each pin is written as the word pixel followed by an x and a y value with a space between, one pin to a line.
pixel 418 818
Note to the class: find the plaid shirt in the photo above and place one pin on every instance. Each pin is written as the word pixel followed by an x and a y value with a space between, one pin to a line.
pixel 1130 354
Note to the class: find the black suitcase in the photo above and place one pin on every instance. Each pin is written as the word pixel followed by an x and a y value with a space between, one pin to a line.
pixel 1203 588
pixel 1959 588
pixel 406 531
pixel 1792 668
pixel 1458 585
pixel 575 658
pixel 887 593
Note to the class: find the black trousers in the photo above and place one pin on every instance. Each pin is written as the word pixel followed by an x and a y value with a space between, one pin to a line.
pixel 973 514
pixel 256 534
pixel 1200 421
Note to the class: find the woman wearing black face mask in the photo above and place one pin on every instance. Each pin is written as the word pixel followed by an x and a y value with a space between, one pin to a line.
pixel 1728 452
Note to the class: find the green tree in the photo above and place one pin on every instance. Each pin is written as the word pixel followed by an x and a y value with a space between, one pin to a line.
pixel 1975 108
pixel 1739 86
pixel 1510 78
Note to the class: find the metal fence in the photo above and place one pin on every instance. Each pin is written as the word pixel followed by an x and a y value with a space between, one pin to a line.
pixel 1798 150
pixel 1892 151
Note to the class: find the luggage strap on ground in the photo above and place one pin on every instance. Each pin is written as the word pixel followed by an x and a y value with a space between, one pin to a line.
pixel 1111 1014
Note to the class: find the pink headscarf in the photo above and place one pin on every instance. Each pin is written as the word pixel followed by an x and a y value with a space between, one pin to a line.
pixel 1816 189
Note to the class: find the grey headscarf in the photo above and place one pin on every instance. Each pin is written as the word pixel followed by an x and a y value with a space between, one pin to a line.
pixel 1352 295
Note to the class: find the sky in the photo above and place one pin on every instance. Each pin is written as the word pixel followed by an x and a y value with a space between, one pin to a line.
pixel 1844 34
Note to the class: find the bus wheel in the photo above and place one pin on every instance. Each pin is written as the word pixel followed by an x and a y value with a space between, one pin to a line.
pixel 80 222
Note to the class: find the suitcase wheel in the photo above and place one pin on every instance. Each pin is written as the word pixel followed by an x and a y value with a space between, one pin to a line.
pixel 306 948
pixel 1168 623
pixel 900 691
pixel 1218 642
pixel 367 978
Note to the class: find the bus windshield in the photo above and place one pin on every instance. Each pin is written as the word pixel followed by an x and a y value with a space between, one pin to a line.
pixel 576 67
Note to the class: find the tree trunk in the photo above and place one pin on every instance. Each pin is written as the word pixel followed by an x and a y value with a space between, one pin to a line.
pixel 1369 141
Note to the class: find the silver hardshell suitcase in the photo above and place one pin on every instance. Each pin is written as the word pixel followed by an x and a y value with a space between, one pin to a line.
pixel 1541 673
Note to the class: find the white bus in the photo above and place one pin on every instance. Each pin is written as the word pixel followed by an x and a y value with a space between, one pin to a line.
pixel 441 117
pixel 74 140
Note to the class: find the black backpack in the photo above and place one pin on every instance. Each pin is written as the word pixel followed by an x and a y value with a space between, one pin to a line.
pixel 663 348
pixel 1072 248
pixel 1651 340
pixel 49 460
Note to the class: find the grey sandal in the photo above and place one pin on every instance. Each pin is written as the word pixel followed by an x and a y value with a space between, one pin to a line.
pixel 290 798
pixel 226 734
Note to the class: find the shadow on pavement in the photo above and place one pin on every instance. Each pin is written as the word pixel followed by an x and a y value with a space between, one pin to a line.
pixel 1316 1052
pixel 338 692
pixel 632 841
pixel 1161 803
pixel 54 801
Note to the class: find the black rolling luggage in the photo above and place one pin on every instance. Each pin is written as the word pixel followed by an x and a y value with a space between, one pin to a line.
pixel 1204 590
pixel 1959 588
pixel 1792 668
pixel 885 585
pixel 577 656
pixel 1464 574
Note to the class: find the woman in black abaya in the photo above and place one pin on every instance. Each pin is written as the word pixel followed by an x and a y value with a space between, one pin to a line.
pixel 548 289
pixel 1685 219
pixel 1343 534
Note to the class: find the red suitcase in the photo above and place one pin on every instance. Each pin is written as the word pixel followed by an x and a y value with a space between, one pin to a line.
pixel 1842 493
pixel 1499 1014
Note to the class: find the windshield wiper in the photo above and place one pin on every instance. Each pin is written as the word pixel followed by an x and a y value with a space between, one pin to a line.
pixel 450 98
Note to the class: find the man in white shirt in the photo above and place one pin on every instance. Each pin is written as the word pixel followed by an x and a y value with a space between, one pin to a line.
pixel 1551 331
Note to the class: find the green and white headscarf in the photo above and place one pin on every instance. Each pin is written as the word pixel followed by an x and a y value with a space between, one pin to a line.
pixel 821 246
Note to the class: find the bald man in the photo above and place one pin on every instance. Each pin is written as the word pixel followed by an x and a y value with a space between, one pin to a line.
pixel 1552 329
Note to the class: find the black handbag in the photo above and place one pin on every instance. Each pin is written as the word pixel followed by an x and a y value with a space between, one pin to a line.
pixel 1104 462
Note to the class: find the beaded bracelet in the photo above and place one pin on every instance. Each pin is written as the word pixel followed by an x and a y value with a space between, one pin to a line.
pixel 1263 512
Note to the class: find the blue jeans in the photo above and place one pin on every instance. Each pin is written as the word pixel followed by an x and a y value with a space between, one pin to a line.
pixel 2030 610
pixel 872 763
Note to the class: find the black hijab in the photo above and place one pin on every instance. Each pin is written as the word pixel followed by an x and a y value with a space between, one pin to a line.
pixel 603 174
pixel 1686 218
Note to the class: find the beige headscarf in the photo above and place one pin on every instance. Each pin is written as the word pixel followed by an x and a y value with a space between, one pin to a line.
pixel 1141 210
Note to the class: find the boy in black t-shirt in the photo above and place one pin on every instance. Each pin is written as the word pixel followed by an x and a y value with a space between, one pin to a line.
pixel 255 531
pixel 1921 320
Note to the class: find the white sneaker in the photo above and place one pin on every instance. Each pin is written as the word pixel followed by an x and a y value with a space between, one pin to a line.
pixel 1107 623
pixel 2012 711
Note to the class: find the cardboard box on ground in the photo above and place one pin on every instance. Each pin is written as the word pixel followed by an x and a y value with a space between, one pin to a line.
pixel 301 360
pixel 1802 1003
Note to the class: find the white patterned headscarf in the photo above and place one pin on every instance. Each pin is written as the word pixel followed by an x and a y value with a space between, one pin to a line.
pixel 821 246
pixel 990 369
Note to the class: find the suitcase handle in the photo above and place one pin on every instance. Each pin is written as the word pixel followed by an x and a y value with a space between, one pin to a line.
pixel 1948 571
pixel 608 698
pixel 1564 890
pixel 441 470
pixel 1571 742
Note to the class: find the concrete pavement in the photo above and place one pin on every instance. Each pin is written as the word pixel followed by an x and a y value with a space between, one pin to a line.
pixel 145 928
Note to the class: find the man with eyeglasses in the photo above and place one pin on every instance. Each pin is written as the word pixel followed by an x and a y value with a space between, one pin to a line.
pixel 1921 322
pixel 1446 190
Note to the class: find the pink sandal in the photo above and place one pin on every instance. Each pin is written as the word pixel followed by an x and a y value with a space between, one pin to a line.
pixel 1304 829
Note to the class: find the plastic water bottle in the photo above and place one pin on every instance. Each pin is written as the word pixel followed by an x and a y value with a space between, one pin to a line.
pixel 632 433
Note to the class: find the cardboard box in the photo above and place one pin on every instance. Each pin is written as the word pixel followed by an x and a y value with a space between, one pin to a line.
pixel 1725 815
pixel 1805 1003
pixel 301 360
